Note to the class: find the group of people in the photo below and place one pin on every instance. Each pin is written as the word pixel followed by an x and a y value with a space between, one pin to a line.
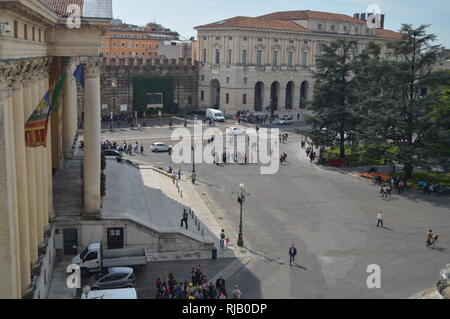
pixel 198 288
pixel 429 188
pixel 283 138
pixel 251 118
pixel 127 148
pixel 386 190
pixel 311 154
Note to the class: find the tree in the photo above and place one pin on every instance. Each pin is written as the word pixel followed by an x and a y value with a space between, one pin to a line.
pixel 392 96
pixel 333 120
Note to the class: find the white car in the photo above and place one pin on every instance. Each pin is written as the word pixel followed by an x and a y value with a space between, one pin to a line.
pixel 160 147
pixel 285 120
pixel 234 130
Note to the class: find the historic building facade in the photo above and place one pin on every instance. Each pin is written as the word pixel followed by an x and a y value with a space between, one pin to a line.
pixel 117 81
pixel 126 40
pixel 267 62
pixel 37 47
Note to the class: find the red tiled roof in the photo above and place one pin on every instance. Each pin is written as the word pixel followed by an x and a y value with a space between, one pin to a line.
pixel 60 6
pixel 308 14
pixel 284 21
pixel 383 33
pixel 256 23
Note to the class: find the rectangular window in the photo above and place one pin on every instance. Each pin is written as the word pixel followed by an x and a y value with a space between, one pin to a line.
pixel 230 38
pixel 245 81
pixel 290 55
pixel 227 98
pixel 202 95
pixel 304 58
pixel 217 56
pixel 258 57
pixel 229 56
pixel 228 80
pixel 291 41
pixel 244 57
pixel 260 39
pixel 33 34
pixel 333 28
pixel 114 102
pixel 275 40
pixel 319 49
pixel 319 27
pixel 217 38
pixel 275 58
pixel 16 30
pixel 204 55
pixel 25 32
pixel 202 78
pixel 245 39
pixel 244 99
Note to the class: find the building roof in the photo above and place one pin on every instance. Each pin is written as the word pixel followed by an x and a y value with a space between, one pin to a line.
pixel 383 33
pixel 88 8
pixel 285 21
pixel 256 23
pixel 308 14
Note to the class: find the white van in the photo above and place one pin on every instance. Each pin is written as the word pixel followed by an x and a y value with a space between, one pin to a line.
pixel 125 293
pixel 212 114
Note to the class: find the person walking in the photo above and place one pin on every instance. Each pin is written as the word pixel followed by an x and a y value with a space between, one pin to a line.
pixel 292 254
pixel 222 238
pixel 142 149
pixel 184 218
pixel 380 219
pixel 220 284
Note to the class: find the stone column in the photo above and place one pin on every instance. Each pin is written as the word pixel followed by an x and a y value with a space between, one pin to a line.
pixel 31 177
pixel 44 167
pixel 69 108
pixel 9 228
pixel 38 167
pixel 92 131
pixel 51 212
pixel 22 182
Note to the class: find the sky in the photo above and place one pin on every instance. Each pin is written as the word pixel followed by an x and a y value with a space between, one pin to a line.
pixel 183 15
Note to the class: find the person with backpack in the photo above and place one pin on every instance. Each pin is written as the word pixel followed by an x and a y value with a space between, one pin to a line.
pixel 292 254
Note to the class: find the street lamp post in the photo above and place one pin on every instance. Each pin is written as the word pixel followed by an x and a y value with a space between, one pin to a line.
pixel 194 175
pixel 241 200
pixel 185 112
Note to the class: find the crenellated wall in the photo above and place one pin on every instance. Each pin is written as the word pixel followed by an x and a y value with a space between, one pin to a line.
pixel 117 81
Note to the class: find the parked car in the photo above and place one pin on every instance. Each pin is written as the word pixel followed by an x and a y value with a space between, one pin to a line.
pixel 234 130
pixel 160 147
pixel 285 120
pixel 125 293
pixel 114 277
pixel 112 153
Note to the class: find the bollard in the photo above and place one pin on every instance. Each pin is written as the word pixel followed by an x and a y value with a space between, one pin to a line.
pixel 190 210
pixel 203 232
pixel 199 226
pixel 193 214
pixel 195 220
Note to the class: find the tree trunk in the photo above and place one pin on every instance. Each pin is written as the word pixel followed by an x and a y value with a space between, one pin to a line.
pixel 342 146
pixel 408 171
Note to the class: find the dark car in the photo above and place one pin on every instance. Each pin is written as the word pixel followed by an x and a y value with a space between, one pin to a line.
pixel 112 153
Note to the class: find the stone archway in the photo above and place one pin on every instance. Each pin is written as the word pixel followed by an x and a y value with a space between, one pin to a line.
pixel 214 97
pixel 259 96
pixel 289 95
pixel 304 94
pixel 274 95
